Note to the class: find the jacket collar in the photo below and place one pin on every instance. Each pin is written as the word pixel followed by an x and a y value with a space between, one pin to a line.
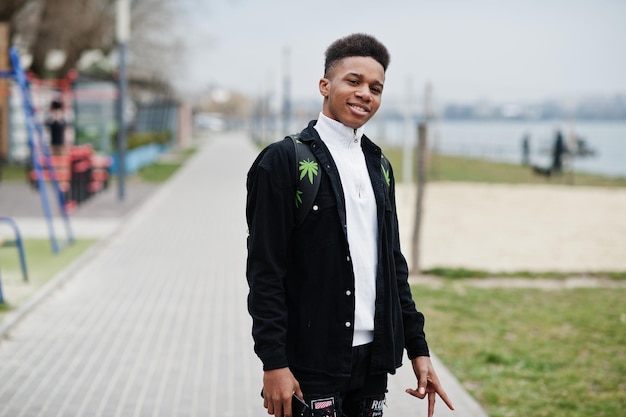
pixel 336 134
pixel 309 134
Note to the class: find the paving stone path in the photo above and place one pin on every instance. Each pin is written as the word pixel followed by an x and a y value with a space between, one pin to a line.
pixel 155 323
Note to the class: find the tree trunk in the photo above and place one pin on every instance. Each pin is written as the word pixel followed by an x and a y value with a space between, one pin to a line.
pixel 43 42
pixel 422 149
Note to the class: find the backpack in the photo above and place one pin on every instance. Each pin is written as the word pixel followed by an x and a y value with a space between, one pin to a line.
pixel 308 177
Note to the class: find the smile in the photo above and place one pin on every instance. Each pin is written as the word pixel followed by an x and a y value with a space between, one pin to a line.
pixel 358 108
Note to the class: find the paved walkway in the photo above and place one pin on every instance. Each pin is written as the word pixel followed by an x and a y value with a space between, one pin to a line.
pixel 154 322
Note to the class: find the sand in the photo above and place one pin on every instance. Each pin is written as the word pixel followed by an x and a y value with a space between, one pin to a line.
pixel 517 227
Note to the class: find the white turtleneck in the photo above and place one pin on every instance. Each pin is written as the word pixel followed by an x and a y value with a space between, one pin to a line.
pixel 344 144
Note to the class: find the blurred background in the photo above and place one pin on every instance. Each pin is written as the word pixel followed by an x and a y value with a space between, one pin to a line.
pixel 487 74
pixel 520 266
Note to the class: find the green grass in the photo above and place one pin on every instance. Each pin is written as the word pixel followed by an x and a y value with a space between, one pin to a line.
pixel 161 171
pixel 42 265
pixel 158 172
pixel 12 172
pixel 532 352
pixel 453 168
pixel 460 273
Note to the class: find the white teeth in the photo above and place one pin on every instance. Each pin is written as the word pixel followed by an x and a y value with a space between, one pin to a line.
pixel 357 107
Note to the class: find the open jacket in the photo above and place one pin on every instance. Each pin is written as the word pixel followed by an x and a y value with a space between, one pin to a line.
pixel 301 279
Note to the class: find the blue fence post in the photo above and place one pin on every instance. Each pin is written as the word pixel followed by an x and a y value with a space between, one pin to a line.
pixel 17 243
pixel 1 295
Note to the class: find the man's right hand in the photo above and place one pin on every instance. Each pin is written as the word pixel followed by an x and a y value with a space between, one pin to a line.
pixel 278 387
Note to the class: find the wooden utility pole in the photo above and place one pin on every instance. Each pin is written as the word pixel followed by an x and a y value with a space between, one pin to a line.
pixel 422 157
pixel 4 91
pixel 422 168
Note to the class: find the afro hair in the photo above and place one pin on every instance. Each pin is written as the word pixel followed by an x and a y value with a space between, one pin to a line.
pixel 357 44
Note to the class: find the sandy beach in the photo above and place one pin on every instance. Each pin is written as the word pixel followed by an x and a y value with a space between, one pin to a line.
pixel 500 227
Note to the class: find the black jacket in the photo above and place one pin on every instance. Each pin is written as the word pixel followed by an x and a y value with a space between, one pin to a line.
pixel 301 282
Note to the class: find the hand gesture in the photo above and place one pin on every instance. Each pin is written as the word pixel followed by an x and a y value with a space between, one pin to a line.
pixel 427 383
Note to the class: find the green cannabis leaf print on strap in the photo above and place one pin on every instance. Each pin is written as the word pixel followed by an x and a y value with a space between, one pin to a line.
pixel 298 197
pixel 308 168
pixel 386 174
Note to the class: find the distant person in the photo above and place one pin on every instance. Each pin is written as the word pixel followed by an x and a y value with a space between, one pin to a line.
pixel 558 151
pixel 331 306
pixel 526 149
pixel 56 125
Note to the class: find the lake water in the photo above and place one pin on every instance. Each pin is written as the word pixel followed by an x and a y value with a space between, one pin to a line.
pixel 502 141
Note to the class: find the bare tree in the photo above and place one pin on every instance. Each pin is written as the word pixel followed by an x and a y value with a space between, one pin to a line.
pixel 72 26
pixel 152 44
pixel 9 8
pixel 77 26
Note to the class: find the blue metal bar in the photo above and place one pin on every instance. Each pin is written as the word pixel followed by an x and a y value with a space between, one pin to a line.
pixel 27 105
pixel 17 243
pixel 34 127
pixel 1 295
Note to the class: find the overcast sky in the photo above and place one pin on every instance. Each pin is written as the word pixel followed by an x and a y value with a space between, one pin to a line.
pixel 498 50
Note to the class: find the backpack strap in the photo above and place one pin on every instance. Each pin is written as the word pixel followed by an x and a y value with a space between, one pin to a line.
pixel 385 166
pixel 308 179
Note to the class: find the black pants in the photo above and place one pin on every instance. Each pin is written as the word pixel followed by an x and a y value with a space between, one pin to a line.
pixel 359 395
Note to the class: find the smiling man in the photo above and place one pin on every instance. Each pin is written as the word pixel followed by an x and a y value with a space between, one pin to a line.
pixel 329 296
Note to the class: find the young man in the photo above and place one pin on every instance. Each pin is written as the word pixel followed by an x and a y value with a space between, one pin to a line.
pixel 331 306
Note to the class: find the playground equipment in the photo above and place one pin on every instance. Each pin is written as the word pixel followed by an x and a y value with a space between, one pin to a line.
pixel 42 161
pixel 17 243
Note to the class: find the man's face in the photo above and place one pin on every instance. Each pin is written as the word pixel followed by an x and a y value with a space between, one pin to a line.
pixel 353 90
